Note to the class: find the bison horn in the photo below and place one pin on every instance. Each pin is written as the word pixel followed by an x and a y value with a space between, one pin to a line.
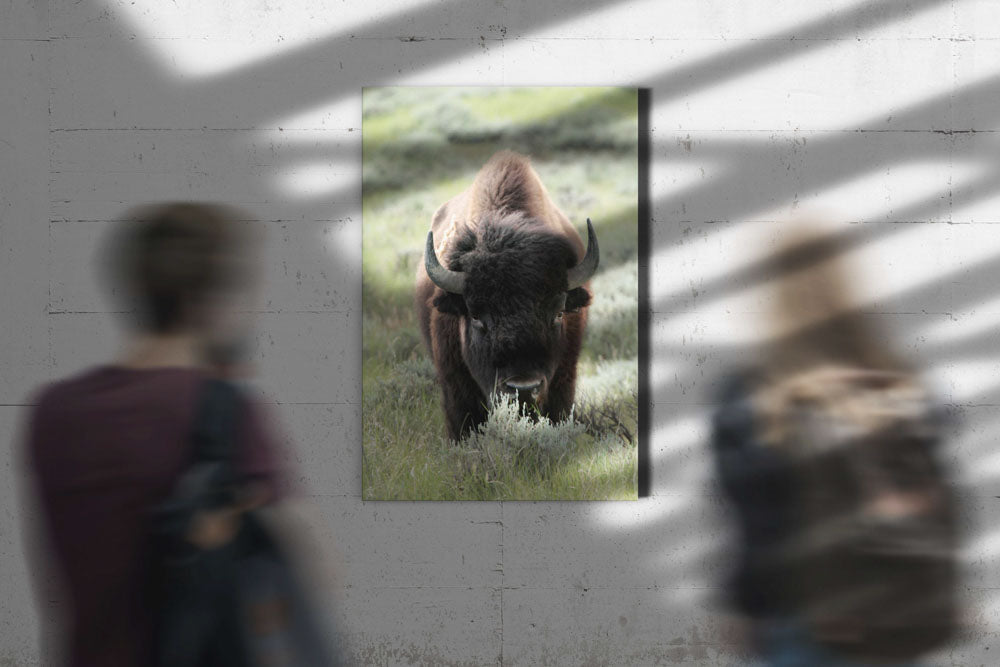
pixel 446 279
pixel 583 271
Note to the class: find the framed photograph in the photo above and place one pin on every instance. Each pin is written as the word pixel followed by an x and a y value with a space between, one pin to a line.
pixel 501 275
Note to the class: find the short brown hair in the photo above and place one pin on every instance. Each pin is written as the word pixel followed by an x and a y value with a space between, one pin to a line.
pixel 169 257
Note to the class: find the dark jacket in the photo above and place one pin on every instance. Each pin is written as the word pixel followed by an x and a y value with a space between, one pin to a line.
pixel 758 482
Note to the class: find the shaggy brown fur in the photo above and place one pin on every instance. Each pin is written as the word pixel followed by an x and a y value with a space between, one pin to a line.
pixel 506 197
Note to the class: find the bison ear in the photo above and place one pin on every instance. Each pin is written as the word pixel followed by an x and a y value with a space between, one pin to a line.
pixel 452 304
pixel 577 298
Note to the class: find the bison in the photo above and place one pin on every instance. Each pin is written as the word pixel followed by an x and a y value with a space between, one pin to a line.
pixel 506 310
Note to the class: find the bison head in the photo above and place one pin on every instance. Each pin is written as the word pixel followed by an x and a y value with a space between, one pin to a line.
pixel 510 281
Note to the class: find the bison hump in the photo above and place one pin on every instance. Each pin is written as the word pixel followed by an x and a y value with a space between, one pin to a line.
pixel 508 183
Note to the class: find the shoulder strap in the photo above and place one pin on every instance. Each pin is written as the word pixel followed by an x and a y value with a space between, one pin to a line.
pixel 216 418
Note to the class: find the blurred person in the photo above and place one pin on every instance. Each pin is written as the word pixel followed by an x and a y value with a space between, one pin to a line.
pixel 105 446
pixel 827 450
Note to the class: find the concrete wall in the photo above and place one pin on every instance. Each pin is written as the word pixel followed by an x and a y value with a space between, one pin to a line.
pixel 883 114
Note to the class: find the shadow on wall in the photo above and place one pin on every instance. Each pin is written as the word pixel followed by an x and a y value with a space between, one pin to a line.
pixel 656 559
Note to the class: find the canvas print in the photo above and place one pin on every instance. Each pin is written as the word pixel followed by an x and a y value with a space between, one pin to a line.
pixel 500 293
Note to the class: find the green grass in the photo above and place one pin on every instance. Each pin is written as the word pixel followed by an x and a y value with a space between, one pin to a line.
pixel 422 146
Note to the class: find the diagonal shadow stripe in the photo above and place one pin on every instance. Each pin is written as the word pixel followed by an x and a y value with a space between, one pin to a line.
pixel 784 45
pixel 303 77
pixel 311 62
pixel 844 241
pixel 748 187
pixel 979 284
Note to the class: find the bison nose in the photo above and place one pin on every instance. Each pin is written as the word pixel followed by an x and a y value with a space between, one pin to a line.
pixel 525 386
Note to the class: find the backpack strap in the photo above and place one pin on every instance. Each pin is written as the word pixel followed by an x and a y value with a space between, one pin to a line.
pixel 213 433
pixel 213 438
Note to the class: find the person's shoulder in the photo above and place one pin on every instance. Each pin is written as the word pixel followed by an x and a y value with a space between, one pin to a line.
pixel 251 399
pixel 941 412
pixel 43 394
pixel 733 412
pixel 48 404
pixel 735 386
pixel 256 409
pixel 54 392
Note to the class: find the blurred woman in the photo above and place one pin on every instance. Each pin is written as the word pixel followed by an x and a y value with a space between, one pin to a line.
pixel 826 450
pixel 106 444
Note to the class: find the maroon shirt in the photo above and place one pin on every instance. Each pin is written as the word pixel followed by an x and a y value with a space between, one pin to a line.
pixel 104 447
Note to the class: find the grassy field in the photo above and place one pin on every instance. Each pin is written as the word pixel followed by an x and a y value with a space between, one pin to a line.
pixel 421 147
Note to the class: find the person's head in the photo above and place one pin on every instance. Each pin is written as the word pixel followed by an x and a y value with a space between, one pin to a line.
pixel 816 316
pixel 187 268
pixel 818 329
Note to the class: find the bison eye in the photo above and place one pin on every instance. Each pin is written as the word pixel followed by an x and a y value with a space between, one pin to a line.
pixel 558 318
pixel 478 323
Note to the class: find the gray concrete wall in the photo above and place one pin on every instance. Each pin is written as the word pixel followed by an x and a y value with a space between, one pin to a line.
pixel 881 114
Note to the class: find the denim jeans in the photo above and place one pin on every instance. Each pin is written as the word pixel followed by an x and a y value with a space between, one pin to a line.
pixel 786 643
